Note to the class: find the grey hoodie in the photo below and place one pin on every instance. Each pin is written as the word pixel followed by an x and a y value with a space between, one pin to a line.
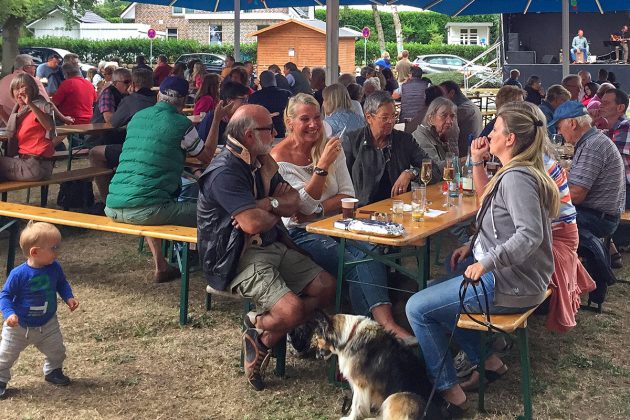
pixel 516 238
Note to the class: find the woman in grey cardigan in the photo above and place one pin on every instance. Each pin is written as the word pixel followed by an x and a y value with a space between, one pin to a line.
pixel 512 253
pixel 432 134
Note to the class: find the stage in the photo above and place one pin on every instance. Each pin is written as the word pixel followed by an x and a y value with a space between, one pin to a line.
pixel 551 74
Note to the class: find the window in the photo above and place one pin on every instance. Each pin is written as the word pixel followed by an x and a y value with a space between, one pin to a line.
pixel 216 34
pixel 468 36
pixel 178 10
pixel 171 33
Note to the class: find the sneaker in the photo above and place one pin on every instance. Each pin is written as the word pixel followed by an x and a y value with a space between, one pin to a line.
pixel 463 366
pixel 3 388
pixel 616 261
pixel 57 377
pixel 300 339
pixel 256 358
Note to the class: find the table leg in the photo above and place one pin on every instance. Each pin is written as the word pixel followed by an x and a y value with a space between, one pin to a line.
pixel 183 291
pixel 424 264
pixel 12 226
pixel 341 253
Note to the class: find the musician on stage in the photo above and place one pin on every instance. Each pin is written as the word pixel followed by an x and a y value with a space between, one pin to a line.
pixel 579 43
pixel 622 36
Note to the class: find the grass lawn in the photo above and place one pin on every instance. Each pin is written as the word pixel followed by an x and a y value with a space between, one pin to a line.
pixel 130 359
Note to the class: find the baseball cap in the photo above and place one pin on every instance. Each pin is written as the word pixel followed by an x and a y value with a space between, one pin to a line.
pixel 570 109
pixel 174 84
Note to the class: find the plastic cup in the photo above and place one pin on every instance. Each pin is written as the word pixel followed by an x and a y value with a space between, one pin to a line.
pixel 349 207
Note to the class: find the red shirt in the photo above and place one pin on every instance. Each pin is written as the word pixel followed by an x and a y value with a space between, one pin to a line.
pixel 31 137
pixel 75 98
pixel 160 73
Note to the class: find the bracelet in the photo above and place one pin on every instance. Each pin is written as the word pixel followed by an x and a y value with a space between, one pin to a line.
pixel 476 163
pixel 320 171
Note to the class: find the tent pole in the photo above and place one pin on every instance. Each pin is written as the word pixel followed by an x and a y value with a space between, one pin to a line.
pixel 237 30
pixel 332 41
pixel 566 48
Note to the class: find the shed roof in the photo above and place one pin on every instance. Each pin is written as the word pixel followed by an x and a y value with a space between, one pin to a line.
pixel 313 24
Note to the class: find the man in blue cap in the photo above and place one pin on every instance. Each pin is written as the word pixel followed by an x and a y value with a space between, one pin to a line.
pixel 596 180
pixel 146 185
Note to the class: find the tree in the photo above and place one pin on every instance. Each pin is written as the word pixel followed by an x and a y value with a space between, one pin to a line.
pixel 379 28
pixel 15 13
pixel 397 29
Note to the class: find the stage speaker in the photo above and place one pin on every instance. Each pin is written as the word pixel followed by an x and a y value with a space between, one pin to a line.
pixel 513 44
pixel 521 57
pixel 549 59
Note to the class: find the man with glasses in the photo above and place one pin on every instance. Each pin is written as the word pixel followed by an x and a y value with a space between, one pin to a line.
pixel 213 126
pixel 383 161
pixel 76 95
pixel 23 64
pixel 107 103
pixel 243 245
pixel 147 181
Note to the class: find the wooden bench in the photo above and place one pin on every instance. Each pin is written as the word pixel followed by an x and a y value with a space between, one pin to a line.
pixel 56 178
pixel 182 234
pixel 508 324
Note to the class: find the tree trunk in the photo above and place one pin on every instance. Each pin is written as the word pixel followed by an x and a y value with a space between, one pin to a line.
pixel 397 29
pixel 379 28
pixel 10 35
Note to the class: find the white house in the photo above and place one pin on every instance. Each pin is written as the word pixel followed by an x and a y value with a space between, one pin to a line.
pixel 88 26
pixel 468 33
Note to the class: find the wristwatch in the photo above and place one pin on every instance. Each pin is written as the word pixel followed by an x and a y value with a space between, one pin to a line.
pixel 413 171
pixel 274 202
pixel 320 171
pixel 319 211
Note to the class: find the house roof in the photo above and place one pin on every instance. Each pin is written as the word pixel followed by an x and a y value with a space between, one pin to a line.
pixel 468 24
pixel 88 17
pixel 129 12
pixel 313 24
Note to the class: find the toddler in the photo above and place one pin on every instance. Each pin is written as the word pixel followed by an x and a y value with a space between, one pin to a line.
pixel 29 304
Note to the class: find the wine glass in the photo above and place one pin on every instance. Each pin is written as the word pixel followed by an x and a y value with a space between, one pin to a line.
pixel 425 173
pixel 448 175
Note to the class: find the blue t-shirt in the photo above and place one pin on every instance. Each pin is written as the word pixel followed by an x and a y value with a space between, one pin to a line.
pixel 31 293
pixel 53 76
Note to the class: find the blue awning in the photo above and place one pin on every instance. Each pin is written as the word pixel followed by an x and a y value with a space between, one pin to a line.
pixel 480 7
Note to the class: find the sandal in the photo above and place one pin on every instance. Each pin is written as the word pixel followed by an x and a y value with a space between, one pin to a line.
pixel 491 376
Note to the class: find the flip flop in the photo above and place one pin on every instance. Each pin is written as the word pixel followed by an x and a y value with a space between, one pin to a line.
pixel 491 376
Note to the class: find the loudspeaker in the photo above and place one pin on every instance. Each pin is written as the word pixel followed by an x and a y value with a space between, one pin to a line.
pixel 521 57
pixel 549 59
pixel 513 42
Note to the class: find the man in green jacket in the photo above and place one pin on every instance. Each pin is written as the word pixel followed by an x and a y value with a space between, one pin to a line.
pixel 147 182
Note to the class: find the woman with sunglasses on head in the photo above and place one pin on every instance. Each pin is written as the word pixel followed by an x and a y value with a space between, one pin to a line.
pixel 512 253
pixel 315 166
pixel 382 161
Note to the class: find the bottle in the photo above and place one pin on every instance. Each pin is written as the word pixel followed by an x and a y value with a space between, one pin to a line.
pixel 468 187
pixel 453 187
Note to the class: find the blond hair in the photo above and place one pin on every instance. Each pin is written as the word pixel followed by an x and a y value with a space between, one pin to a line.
pixel 336 97
pixel 290 113
pixel 37 233
pixel 527 122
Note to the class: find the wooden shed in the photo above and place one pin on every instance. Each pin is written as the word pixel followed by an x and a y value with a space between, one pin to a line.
pixel 302 42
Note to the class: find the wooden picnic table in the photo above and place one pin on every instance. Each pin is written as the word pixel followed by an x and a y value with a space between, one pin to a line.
pixel 415 241
pixel 91 128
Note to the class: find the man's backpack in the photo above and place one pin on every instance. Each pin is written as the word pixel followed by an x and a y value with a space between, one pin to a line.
pixel 75 195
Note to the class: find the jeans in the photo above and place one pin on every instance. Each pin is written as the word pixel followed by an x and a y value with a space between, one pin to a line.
pixel 370 292
pixel 432 313
pixel 592 221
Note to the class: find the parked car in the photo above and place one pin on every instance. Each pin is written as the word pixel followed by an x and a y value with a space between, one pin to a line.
pixel 214 63
pixel 437 63
pixel 41 54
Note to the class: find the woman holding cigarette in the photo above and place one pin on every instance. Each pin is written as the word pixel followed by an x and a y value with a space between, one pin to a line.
pixel 316 167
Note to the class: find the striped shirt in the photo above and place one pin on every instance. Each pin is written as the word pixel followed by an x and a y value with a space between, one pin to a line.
pixel 620 135
pixel 597 166
pixel 559 175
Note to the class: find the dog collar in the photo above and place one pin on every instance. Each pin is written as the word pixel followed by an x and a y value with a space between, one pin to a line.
pixel 352 332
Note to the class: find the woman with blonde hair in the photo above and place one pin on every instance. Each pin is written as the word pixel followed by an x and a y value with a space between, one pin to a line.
pixel 339 111
pixel 511 254
pixel 207 97
pixel 198 73
pixel 316 167
pixel 30 130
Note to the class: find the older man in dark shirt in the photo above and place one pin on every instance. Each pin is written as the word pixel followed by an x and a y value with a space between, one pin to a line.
pixel 274 99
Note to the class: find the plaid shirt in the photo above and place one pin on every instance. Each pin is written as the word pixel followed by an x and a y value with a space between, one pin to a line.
pixel 620 135
pixel 106 102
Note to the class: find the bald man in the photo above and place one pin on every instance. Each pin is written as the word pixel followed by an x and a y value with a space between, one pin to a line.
pixel 244 247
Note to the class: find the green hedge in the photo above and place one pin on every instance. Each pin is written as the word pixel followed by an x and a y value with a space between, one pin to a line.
pixel 126 49
pixel 419 27
pixel 373 52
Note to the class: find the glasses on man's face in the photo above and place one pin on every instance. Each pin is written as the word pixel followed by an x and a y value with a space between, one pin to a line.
pixel 269 128
pixel 126 82
pixel 386 118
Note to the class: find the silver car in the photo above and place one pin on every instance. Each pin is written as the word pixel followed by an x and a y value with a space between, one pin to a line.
pixel 437 63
